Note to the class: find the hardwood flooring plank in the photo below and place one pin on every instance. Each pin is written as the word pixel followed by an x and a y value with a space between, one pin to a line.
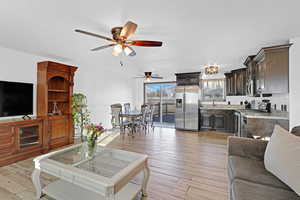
pixel 184 166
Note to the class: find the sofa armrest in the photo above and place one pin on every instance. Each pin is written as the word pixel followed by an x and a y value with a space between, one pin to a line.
pixel 246 147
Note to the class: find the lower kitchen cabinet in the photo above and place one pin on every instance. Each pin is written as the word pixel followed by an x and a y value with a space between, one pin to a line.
pixel 215 119
pixel 206 121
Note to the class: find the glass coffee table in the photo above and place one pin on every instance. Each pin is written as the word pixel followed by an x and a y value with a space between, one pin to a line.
pixel 106 175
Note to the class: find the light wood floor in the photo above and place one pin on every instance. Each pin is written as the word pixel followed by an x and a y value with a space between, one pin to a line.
pixel 184 165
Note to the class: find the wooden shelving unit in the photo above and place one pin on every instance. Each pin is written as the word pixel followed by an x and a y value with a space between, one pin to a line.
pixel 57 90
pixel 54 94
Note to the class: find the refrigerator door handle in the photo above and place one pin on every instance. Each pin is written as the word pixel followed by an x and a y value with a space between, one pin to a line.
pixel 183 107
pixel 184 104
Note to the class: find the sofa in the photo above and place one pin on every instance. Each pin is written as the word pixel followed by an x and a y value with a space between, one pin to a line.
pixel 248 178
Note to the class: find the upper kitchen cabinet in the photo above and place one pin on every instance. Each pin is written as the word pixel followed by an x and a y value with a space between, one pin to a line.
pixel 236 82
pixel 192 78
pixel 272 70
pixel 251 75
pixel 230 84
pixel 240 81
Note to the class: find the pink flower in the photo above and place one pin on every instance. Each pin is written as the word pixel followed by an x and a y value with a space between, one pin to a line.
pixel 99 127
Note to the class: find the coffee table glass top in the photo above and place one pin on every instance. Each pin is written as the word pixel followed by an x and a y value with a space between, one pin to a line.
pixel 106 162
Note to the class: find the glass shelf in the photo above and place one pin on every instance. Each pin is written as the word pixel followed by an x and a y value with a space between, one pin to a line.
pixel 29 136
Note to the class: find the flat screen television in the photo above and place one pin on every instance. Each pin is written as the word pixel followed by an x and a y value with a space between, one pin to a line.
pixel 16 99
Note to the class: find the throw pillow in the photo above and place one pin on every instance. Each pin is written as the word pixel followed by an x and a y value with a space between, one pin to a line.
pixel 282 157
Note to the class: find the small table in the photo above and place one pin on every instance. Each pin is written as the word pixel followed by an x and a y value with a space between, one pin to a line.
pixel 132 116
pixel 104 176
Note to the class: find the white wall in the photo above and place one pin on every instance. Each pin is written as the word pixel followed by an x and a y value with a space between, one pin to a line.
pixel 102 86
pixel 294 82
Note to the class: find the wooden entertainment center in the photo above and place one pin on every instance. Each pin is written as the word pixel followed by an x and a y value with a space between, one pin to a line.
pixel 53 126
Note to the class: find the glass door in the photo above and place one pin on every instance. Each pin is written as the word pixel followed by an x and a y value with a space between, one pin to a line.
pixel 162 96
pixel 168 103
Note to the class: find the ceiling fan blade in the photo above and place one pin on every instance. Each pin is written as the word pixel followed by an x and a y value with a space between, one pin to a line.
pixel 146 43
pixel 128 30
pixel 157 77
pixel 94 34
pixel 103 47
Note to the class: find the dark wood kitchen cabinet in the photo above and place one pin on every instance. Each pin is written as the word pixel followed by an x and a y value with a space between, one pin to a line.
pixel 192 78
pixel 240 81
pixel 230 84
pixel 236 82
pixel 206 122
pixel 251 75
pixel 272 64
pixel 217 119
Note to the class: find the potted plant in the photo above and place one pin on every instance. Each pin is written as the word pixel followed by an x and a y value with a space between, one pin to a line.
pixel 81 115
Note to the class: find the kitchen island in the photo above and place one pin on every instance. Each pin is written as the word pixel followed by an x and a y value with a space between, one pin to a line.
pixel 240 121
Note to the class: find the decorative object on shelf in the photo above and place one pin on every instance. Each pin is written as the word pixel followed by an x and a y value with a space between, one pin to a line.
pixel 81 115
pixel 209 70
pixel 55 110
pixel 90 134
pixel 120 42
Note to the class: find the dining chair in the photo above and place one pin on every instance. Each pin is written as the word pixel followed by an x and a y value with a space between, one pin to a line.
pixel 117 120
pixel 149 119
pixel 142 120
pixel 116 109
pixel 126 124
pixel 127 107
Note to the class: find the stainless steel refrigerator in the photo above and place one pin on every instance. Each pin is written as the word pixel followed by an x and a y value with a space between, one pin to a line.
pixel 187 114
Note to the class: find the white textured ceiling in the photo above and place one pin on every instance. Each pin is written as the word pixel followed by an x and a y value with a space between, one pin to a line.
pixel 194 32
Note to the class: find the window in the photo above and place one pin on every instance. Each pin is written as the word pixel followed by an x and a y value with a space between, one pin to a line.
pixel 213 89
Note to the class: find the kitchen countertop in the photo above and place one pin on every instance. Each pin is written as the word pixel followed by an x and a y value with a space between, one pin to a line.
pixel 251 114
pixel 263 115
pixel 221 107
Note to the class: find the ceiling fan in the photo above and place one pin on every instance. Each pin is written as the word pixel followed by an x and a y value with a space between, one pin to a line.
pixel 148 76
pixel 120 40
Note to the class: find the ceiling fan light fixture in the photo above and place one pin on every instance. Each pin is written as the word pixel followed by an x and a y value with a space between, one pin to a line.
pixel 148 79
pixel 129 52
pixel 117 50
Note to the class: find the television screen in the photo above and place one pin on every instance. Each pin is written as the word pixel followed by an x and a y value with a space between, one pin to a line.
pixel 16 99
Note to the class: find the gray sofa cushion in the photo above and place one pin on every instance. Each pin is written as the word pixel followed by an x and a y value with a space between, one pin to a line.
pixel 246 147
pixel 253 171
pixel 296 131
pixel 244 190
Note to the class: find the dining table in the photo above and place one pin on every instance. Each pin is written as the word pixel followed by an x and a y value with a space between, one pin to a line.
pixel 132 116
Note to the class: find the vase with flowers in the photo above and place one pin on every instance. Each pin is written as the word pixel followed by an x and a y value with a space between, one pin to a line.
pixel 91 134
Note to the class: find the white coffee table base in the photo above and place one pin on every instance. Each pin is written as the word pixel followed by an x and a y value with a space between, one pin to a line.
pixel 63 190
pixel 79 183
